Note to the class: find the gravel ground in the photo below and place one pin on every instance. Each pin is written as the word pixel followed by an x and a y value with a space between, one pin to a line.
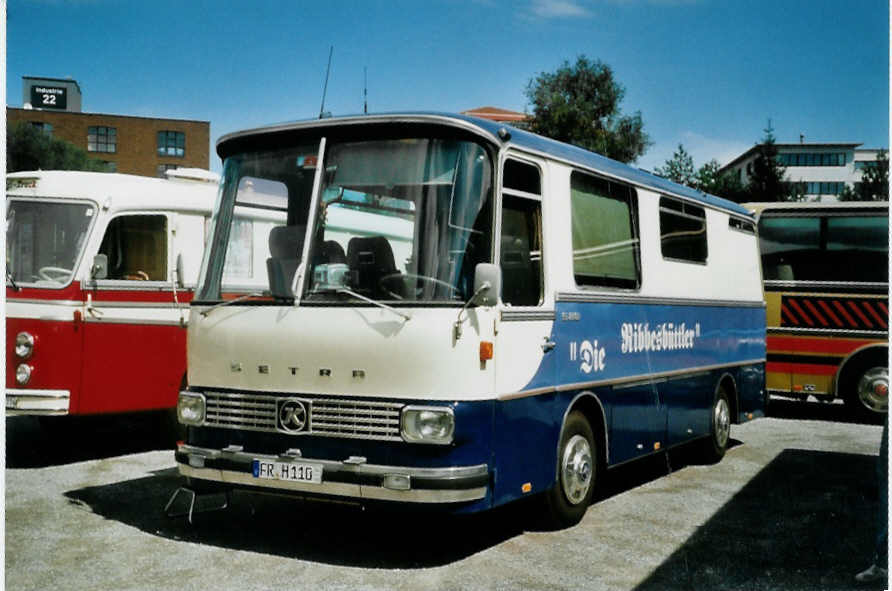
pixel 792 506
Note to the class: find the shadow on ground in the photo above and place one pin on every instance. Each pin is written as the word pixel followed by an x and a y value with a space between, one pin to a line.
pixel 806 521
pixel 331 533
pixel 814 410
pixel 53 441
pixel 328 533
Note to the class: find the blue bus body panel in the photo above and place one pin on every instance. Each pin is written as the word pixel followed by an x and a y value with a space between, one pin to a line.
pixel 653 368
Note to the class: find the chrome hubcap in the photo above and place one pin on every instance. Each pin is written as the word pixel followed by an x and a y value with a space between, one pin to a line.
pixel 873 389
pixel 576 469
pixel 721 421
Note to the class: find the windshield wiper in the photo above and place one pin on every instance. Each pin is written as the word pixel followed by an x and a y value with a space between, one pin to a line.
pixel 369 300
pixel 232 301
pixel 11 280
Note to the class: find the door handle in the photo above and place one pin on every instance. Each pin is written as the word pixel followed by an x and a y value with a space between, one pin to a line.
pixel 548 345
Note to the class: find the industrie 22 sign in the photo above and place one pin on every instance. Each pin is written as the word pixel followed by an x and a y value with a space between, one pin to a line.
pixel 49 97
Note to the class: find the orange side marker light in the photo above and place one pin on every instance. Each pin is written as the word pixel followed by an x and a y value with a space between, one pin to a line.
pixel 485 350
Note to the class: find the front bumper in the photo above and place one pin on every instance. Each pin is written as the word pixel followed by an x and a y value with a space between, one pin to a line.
pixel 352 477
pixel 37 402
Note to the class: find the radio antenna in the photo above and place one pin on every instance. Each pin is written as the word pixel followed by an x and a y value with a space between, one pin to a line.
pixel 325 86
pixel 365 90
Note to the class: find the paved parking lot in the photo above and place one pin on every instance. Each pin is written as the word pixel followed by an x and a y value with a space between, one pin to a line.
pixel 790 507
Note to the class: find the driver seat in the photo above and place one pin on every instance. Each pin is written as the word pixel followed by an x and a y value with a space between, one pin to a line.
pixel 371 258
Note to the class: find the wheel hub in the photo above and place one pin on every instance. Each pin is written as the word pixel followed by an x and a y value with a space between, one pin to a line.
pixel 721 418
pixel 576 469
pixel 873 389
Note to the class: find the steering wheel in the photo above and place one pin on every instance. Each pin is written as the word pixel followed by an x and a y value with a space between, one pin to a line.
pixel 404 276
pixel 61 274
pixel 137 276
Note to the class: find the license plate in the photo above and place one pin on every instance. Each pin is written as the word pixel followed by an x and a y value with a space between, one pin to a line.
pixel 288 471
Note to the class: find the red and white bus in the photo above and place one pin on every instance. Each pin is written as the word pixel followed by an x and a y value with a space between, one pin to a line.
pixel 100 270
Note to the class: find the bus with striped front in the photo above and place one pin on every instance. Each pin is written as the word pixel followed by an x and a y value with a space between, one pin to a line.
pixel 826 278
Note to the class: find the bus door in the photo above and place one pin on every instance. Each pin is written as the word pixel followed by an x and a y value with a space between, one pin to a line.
pixel 134 339
pixel 524 347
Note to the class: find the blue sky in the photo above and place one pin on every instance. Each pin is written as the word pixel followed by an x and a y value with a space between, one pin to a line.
pixel 705 73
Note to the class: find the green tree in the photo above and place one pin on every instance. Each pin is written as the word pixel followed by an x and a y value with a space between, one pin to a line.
pixel 579 104
pixel 766 173
pixel 679 168
pixel 709 179
pixel 30 148
pixel 874 185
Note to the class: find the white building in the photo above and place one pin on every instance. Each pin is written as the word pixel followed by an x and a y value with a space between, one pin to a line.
pixel 820 170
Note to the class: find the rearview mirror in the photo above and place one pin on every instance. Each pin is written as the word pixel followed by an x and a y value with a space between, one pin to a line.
pixel 99 269
pixel 487 273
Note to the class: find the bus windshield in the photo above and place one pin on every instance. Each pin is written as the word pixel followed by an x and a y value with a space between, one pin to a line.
pixel 828 248
pixel 44 240
pixel 398 220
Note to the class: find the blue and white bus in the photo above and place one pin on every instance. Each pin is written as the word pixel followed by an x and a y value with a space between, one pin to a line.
pixel 461 314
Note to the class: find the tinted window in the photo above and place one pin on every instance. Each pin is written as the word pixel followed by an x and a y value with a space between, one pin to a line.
pixel 136 247
pixel 521 252
pixel 521 177
pixel 682 231
pixel 834 248
pixel 604 232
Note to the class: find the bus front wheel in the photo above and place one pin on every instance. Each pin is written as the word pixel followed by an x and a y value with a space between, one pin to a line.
pixel 567 501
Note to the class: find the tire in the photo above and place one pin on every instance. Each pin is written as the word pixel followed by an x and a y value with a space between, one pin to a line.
pixel 866 391
pixel 714 447
pixel 567 501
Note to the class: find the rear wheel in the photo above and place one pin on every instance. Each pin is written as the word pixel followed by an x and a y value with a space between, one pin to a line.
pixel 713 449
pixel 567 501
pixel 867 389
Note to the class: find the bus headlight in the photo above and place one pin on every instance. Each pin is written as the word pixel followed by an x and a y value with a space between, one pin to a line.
pixel 427 424
pixel 23 374
pixel 190 408
pixel 24 345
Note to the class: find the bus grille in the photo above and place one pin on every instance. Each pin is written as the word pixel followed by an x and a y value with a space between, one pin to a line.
pixel 329 417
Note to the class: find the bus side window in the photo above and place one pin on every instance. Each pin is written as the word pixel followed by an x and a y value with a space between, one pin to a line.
pixel 521 251
pixel 521 241
pixel 136 247
pixel 682 231
pixel 604 232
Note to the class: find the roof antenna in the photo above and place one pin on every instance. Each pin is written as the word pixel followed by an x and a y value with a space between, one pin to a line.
pixel 365 90
pixel 325 86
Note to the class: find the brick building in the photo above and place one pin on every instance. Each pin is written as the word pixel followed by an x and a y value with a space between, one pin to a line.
pixel 135 145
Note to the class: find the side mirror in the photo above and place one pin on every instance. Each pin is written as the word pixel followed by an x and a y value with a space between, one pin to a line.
pixel 180 273
pixel 487 284
pixel 99 269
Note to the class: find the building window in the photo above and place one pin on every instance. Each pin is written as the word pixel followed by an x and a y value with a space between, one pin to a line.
pixel 102 139
pixel 110 166
pixel 817 188
pixel 172 143
pixel 44 127
pixel 163 168
pixel 813 159
pixel 604 232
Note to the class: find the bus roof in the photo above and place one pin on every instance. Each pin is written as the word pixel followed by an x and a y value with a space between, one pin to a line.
pixel 501 134
pixel 758 208
pixel 125 191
